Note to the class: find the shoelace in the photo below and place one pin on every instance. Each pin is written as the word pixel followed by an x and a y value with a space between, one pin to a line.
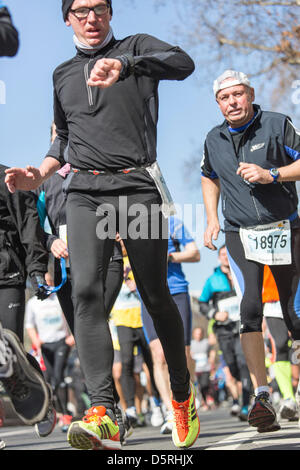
pixel 264 396
pixel 48 416
pixel 181 417
pixel 92 416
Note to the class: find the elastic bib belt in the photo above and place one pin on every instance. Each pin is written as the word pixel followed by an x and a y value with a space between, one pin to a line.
pixel 109 172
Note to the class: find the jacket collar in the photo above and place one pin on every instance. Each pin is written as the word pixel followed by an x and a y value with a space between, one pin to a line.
pixel 100 52
pixel 224 126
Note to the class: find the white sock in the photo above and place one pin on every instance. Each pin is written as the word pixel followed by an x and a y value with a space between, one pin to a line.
pixel 263 388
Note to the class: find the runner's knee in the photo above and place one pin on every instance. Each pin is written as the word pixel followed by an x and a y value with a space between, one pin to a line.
pixel 251 316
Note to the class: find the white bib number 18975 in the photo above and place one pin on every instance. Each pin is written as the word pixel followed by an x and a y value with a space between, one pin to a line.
pixel 268 244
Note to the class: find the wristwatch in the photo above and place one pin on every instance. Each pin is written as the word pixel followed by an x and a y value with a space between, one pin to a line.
pixel 274 173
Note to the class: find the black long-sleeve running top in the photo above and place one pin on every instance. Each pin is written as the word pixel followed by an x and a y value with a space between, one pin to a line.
pixel 114 128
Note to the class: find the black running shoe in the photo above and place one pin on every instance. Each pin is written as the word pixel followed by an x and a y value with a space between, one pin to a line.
pixel 262 414
pixel 48 423
pixel 25 386
pixel 46 426
pixel 121 417
pixel 125 427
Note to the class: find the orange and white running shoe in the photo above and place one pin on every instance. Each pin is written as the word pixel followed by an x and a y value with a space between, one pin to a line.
pixel 186 427
pixel 97 430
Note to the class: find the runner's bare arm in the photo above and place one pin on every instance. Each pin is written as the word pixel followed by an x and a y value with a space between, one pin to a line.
pixel 211 196
pixel 290 172
pixel 190 254
pixel 30 178
pixel 255 174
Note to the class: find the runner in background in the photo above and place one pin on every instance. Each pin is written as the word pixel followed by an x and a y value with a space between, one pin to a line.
pixel 204 355
pixel 219 301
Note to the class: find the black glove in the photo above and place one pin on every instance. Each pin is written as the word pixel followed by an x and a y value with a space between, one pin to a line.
pixel 39 286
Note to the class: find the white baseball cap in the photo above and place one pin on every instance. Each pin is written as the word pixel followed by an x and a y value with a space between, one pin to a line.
pixel 237 78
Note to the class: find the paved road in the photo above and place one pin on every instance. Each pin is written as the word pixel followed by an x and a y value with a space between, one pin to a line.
pixel 219 431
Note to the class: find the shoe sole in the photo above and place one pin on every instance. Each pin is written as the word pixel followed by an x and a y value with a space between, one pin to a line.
pixel 30 373
pixel 2 445
pixel 274 427
pixel 260 417
pixel 84 439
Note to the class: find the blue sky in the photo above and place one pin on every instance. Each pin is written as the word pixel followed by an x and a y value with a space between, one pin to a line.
pixel 187 109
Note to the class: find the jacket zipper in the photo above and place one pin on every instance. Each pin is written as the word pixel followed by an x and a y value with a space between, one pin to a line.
pixel 89 89
pixel 244 161
pixel 251 192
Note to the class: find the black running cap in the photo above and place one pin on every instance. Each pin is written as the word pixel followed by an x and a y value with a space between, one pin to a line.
pixel 66 5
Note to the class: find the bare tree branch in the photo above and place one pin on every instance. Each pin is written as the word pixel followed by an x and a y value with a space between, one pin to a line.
pixel 247 45
pixel 268 69
pixel 266 3
pixel 259 37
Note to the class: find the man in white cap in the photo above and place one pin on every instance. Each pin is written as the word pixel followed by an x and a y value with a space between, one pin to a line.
pixel 251 160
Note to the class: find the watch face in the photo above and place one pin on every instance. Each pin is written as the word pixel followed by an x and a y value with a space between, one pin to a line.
pixel 274 172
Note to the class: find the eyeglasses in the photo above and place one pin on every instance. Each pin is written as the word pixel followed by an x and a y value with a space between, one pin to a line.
pixel 82 13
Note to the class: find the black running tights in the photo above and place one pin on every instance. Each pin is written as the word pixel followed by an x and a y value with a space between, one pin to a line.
pixel 90 253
